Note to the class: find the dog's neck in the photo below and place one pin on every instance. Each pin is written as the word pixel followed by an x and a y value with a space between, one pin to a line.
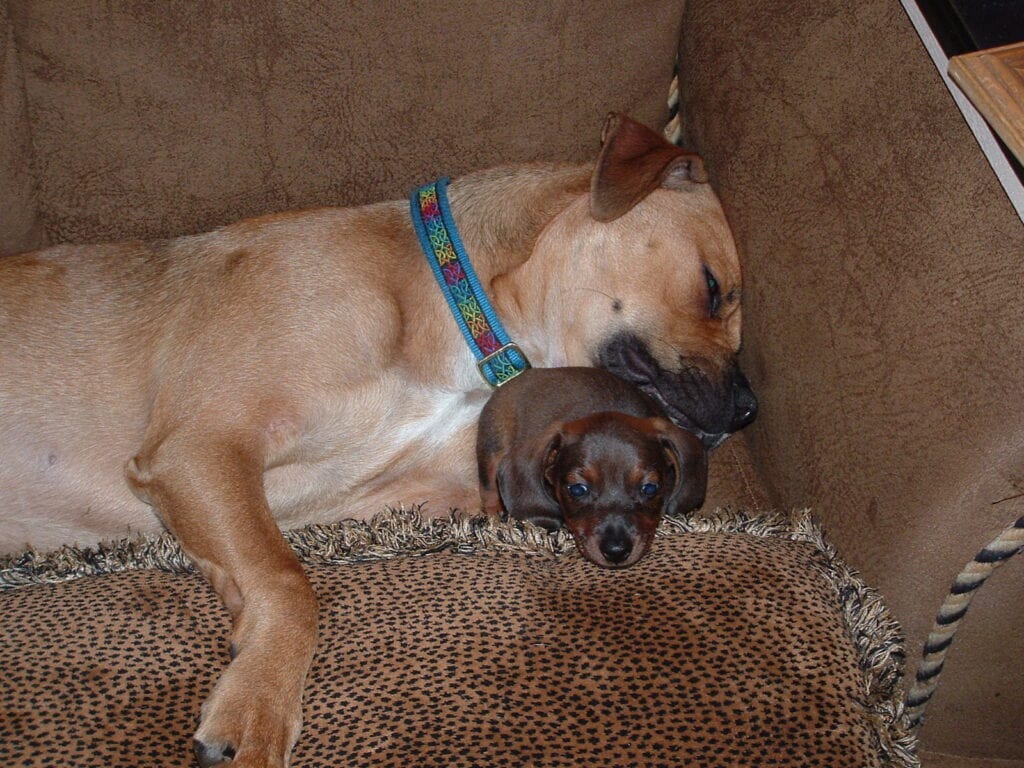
pixel 501 214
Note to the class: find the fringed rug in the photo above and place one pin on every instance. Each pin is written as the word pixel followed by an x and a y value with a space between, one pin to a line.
pixel 739 641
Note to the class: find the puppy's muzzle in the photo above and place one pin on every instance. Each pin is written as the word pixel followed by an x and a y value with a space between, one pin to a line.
pixel 617 541
pixel 615 545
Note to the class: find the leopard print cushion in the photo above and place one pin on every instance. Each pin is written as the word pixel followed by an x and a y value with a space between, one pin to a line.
pixel 722 648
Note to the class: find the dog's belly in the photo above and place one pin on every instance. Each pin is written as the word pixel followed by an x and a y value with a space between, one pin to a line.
pixel 416 448
pixel 407 448
pixel 58 487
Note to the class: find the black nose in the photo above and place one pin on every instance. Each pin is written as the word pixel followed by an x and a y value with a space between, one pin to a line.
pixel 616 546
pixel 744 402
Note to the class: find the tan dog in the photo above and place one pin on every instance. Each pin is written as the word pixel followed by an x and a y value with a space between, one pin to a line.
pixel 583 449
pixel 304 367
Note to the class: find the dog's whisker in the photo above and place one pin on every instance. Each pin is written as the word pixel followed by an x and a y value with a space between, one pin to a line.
pixel 595 290
pixel 670 345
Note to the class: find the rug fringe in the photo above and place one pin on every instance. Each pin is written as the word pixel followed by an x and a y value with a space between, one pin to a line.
pixel 395 532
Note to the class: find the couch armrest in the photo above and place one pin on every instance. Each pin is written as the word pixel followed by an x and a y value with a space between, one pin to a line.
pixel 883 310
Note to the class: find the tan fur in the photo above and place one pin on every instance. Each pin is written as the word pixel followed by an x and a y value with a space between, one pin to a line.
pixel 303 367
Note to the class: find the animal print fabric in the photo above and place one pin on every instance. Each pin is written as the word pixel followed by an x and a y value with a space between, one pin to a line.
pixel 724 647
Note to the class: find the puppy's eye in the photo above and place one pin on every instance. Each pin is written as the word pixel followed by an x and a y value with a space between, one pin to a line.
pixel 714 293
pixel 649 489
pixel 578 490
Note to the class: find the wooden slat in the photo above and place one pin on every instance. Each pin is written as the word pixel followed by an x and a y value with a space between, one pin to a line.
pixel 993 80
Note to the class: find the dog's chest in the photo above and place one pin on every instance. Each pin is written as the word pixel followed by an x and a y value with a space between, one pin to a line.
pixel 379 447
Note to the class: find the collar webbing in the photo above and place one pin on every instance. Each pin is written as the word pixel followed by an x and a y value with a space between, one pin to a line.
pixel 498 359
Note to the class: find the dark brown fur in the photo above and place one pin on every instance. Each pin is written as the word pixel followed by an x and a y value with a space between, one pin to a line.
pixel 552 429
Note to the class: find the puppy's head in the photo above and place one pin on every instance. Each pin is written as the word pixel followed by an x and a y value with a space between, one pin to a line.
pixel 609 478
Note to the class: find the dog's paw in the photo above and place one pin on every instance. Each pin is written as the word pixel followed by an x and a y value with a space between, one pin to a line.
pixel 208 755
pixel 247 725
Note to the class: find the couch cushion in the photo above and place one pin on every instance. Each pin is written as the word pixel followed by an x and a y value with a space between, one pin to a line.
pixel 154 119
pixel 738 641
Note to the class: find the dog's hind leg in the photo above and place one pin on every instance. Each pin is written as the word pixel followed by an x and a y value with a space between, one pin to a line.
pixel 209 492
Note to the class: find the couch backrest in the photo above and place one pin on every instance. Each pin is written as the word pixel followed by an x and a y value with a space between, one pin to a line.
pixel 19 224
pixel 154 119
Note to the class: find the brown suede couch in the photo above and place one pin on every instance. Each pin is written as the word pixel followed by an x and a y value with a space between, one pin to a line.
pixel 884 304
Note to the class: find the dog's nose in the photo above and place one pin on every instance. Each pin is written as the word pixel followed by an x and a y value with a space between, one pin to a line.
pixel 744 402
pixel 616 546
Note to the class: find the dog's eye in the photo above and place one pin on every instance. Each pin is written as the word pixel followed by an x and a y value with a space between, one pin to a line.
pixel 649 489
pixel 714 293
pixel 578 490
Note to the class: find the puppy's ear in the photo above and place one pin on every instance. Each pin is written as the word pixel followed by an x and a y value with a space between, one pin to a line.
pixel 524 484
pixel 689 461
pixel 633 162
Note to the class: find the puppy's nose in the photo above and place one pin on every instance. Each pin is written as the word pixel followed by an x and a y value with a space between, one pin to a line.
pixel 744 401
pixel 616 546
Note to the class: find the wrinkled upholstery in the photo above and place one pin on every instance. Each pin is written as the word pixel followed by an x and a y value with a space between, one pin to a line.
pixel 884 316
pixel 19 225
pixel 153 119
pixel 883 301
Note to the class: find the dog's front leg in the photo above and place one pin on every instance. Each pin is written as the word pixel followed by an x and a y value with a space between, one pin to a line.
pixel 210 495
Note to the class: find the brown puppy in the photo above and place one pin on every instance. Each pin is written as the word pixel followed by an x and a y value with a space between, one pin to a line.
pixel 580 447
pixel 304 367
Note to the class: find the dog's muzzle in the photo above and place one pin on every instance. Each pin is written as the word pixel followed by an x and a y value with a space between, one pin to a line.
pixel 710 407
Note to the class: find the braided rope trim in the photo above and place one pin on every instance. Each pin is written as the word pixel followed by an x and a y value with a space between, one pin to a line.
pixel 1009 543
pixel 674 127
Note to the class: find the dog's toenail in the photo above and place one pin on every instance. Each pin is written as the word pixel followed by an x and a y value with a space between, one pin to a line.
pixel 233 651
pixel 209 755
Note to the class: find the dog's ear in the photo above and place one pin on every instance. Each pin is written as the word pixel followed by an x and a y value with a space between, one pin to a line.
pixel 689 462
pixel 523 480
pixel 634 161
